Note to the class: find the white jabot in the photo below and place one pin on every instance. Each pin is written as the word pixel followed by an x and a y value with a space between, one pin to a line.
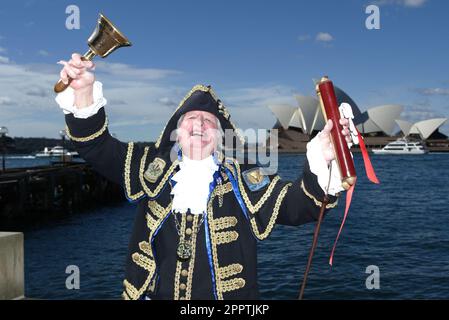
pixel 66 101
pixel 191 190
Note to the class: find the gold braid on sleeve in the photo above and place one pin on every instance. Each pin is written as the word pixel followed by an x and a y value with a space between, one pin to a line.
pixel 90 137
pixel 317 202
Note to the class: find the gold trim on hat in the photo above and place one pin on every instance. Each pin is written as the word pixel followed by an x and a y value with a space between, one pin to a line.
pixel 222 110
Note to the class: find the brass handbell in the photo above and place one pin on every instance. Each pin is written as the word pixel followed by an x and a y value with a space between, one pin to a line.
pixel 105 39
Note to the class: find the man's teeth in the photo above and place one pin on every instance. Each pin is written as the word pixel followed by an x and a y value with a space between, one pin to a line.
pixel 197 134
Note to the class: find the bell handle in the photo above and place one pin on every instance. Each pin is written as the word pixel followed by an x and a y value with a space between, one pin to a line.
pixel 61 86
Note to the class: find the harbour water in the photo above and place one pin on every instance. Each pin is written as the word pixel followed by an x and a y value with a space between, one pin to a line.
pixel 401 226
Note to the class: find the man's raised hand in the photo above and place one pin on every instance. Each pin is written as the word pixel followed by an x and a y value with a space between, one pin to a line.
pixel 78 70
pixel 83 79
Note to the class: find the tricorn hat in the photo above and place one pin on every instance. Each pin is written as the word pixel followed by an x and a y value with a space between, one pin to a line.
pixel 200 98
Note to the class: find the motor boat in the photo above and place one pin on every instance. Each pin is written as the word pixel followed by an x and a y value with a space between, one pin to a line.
pixel 57 151
pixel 403 146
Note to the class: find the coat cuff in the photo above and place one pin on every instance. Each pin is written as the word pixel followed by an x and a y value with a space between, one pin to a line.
pixel 85 130
pixel 312 189
pixel 66 101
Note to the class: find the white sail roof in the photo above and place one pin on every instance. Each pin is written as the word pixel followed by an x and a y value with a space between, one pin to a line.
pixel 311 113
pixel 309 117
pixel 283 113
pixel 381 118
pixel 297 120
pixel 427 127
pixel 405 126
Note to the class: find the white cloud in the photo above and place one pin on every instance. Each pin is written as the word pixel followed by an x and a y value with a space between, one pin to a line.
pixel 6 101
pixel 139 104
pixel 43 53
pixel 28 109
pixel 404 3
pixel 168 102
pixel 304 37
pixel 128 71
pixel 36 92
pixel 324 37
pixel 4 59
pixel 414 3
pixel 421 110
pixel 249 106
pixel 2 50
pixel 434 91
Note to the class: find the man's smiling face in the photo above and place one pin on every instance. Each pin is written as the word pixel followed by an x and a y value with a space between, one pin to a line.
pixel 198 134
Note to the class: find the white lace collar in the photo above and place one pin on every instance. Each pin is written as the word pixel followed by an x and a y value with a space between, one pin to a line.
pixel 191 190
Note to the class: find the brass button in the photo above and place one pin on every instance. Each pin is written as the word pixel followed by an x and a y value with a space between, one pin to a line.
pixel 182 286
pixel 240 283
pixel 189 218
pixel 184 273
pixel 188 231
pixel 182 298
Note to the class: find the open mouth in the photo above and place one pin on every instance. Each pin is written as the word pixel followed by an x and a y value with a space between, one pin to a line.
pixel 197 134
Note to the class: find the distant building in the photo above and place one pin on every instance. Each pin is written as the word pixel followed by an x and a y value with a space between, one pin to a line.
pixel 427 129
pixel 297 125
pixel 380 120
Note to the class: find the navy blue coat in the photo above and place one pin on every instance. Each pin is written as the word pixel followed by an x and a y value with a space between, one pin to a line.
pixel 241 211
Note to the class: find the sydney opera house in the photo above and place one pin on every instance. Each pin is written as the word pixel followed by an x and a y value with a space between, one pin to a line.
pixel 379 125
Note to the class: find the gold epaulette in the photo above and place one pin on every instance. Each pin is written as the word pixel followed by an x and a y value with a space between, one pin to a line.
pixel 253 208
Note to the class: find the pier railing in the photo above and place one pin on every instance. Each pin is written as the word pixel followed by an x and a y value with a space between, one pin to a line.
pixel 29 194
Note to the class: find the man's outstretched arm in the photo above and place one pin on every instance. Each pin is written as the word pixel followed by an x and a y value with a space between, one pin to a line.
pixel 298 202
pixel 83 104
pixel 304 199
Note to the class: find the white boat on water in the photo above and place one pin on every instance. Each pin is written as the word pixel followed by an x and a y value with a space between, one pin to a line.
pixel 20 157
pixel 57 151
pixel 403 146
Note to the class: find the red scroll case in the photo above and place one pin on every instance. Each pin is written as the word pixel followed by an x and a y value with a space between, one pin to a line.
pixel 329 106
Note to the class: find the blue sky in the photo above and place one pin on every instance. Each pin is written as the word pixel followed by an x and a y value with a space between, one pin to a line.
pixel 254 53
